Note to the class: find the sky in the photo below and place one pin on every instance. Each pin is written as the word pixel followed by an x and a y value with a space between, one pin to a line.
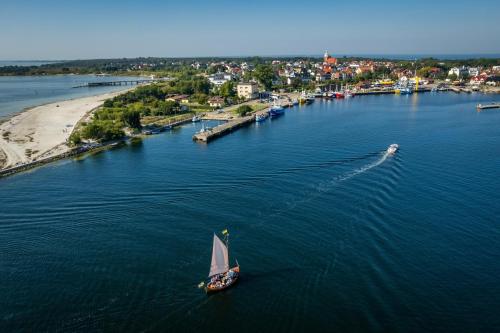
pixel 89 29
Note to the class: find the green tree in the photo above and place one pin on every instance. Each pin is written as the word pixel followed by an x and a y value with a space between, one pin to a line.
pixel 132 119
pixel 108 103
pixel 243 110
pixel 227 89
pixel 75 138
pixel 265 75
pixel 200 98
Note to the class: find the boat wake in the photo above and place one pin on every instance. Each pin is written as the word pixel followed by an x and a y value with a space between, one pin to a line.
pixel 362 169
pixel 327 185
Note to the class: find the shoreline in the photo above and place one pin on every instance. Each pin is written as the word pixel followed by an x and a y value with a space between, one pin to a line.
pixel 60 150
pixel 41 131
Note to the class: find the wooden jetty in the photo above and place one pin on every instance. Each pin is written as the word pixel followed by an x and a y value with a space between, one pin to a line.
pixel 114 83
pixel 223 129
pixel 488 106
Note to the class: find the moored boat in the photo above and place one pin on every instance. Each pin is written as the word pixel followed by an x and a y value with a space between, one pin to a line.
pixel 195 119
pixel 276 111
pixel 261 117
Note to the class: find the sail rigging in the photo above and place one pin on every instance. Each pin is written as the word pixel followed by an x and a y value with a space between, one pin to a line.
pixel 220 257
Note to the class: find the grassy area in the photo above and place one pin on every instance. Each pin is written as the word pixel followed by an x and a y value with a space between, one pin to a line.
pixel 164 120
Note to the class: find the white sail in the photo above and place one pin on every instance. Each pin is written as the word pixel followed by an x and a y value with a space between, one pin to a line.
pixel 220 258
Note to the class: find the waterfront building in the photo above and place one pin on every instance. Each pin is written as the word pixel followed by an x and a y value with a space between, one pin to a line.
pixel 458 71
pixel 473 71
pixel 247 90
pixel 216 102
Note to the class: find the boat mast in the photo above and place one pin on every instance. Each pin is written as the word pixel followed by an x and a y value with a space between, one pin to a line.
pixel 226 238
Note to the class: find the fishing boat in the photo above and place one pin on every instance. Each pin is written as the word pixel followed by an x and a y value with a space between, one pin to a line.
pixel 339 95
pixel 195 119
pixel 221 276
pixel 406 91
pixel 261 117
pixel 295 101
pixel 276 110
pixel 348 94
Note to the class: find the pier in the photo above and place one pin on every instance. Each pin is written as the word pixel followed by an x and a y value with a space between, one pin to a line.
pixel 488 106
pixel 114 83
pixel 223 129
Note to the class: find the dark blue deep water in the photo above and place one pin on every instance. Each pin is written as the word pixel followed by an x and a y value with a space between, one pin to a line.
pixel 331 234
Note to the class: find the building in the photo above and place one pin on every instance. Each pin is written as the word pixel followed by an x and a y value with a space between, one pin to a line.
pixel 219 79
pixel 473 71
pixel 458 71
pixel 178 98
pixel 247 90
pixel 216 102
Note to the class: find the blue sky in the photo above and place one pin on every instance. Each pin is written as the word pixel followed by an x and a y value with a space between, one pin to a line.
pixel 72 29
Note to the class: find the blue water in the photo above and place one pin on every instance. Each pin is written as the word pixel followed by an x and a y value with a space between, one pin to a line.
pixel 19 92
pixel 332 235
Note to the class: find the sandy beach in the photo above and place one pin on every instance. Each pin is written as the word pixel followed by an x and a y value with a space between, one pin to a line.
pixel 42 131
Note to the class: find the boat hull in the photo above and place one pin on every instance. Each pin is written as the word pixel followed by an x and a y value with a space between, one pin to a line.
pixel 273 113
pixel 213 289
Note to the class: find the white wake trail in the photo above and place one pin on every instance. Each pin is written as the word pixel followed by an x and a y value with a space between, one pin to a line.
pixel 327 185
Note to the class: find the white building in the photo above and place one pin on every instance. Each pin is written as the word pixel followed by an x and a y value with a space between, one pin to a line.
pixel 473 71
pixel 458 71
pixel 219 79
pixel 247 90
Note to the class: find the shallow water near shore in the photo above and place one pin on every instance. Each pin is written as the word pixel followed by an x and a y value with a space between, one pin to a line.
pixel 20 92
pixel 332 234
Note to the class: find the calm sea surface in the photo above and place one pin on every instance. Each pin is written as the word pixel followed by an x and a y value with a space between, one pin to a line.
pixel 331 234
pixel 19 92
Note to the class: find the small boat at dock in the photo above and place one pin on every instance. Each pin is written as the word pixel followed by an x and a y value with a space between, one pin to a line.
pixel 488 106
pixel 261 117
pixel 276 111
pixel 195 119
pixel 221 276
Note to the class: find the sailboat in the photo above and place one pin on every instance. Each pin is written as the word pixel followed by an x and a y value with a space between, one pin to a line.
pixel 221 276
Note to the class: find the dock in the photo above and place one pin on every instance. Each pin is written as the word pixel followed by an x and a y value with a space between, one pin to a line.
pixel 488 106
pixel 223 129
pixel 114 83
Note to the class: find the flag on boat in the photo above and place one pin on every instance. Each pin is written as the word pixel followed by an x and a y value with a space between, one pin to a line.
pixel 225 232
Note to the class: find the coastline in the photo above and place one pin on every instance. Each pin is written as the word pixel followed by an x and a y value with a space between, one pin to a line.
pixel 41 132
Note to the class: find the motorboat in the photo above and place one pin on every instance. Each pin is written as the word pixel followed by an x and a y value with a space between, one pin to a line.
pixel 261 117
pixel 195 119
pixel 393 148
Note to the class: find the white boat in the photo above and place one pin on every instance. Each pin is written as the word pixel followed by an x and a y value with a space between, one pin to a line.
pixel 261 117
pixel 195 119
pixel 392 148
